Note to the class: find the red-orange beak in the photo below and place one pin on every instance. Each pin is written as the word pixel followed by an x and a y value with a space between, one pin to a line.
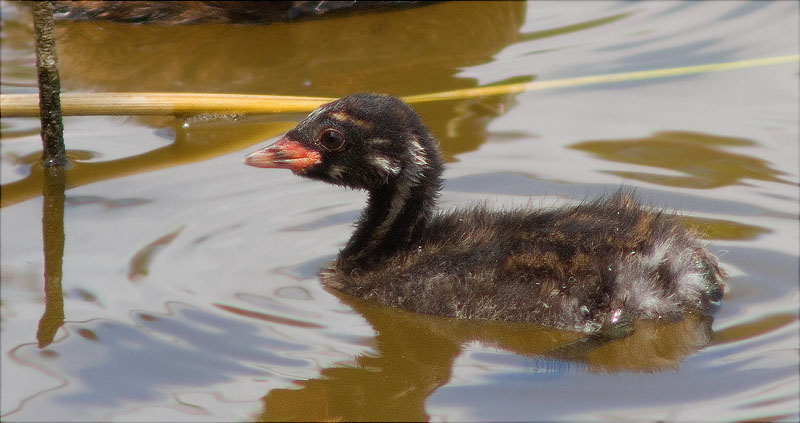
pixel 284 154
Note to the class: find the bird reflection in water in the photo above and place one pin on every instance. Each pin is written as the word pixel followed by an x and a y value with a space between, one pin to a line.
pixel 415 353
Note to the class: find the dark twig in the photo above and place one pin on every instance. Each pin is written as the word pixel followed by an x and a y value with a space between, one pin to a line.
pixel 54 152
pixel 53 161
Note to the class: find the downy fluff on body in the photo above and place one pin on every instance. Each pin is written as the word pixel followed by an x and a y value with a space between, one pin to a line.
pixel 577 268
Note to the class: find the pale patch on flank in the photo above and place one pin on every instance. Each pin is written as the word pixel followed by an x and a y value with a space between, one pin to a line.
pixel 691 276
pixel 636 287
pixel 659 253
pixel 692 285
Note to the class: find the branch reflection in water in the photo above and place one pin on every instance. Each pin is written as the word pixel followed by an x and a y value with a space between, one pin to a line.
pixel 54 184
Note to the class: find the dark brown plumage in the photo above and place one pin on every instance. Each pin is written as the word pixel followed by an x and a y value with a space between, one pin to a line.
pixel 578 268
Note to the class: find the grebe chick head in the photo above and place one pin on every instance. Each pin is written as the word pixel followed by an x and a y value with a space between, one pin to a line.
pixel 362 141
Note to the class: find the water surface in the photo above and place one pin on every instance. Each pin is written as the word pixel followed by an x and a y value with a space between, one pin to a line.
pixel 189 280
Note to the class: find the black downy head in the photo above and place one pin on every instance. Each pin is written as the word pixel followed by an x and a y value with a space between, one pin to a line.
pixel 363 141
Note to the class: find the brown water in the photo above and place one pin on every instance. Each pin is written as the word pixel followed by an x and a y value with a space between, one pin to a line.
pixel 189 286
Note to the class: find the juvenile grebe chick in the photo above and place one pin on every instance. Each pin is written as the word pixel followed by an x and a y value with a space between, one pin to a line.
pixel 577 268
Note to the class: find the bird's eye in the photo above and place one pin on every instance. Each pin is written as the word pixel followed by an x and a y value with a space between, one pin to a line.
pixel 332 140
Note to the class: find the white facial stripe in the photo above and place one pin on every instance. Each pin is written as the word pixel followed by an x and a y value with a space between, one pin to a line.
pixel 387 166
pixel 379 142
pixel 344 117
pixel 336 172
pixel 418 153
pixel 403 189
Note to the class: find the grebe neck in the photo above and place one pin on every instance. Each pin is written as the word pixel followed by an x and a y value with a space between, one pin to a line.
pixel 397 213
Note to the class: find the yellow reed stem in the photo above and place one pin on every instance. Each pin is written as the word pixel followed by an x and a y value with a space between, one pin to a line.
pixel 85 104
pixel 88 104
pixel 597 79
